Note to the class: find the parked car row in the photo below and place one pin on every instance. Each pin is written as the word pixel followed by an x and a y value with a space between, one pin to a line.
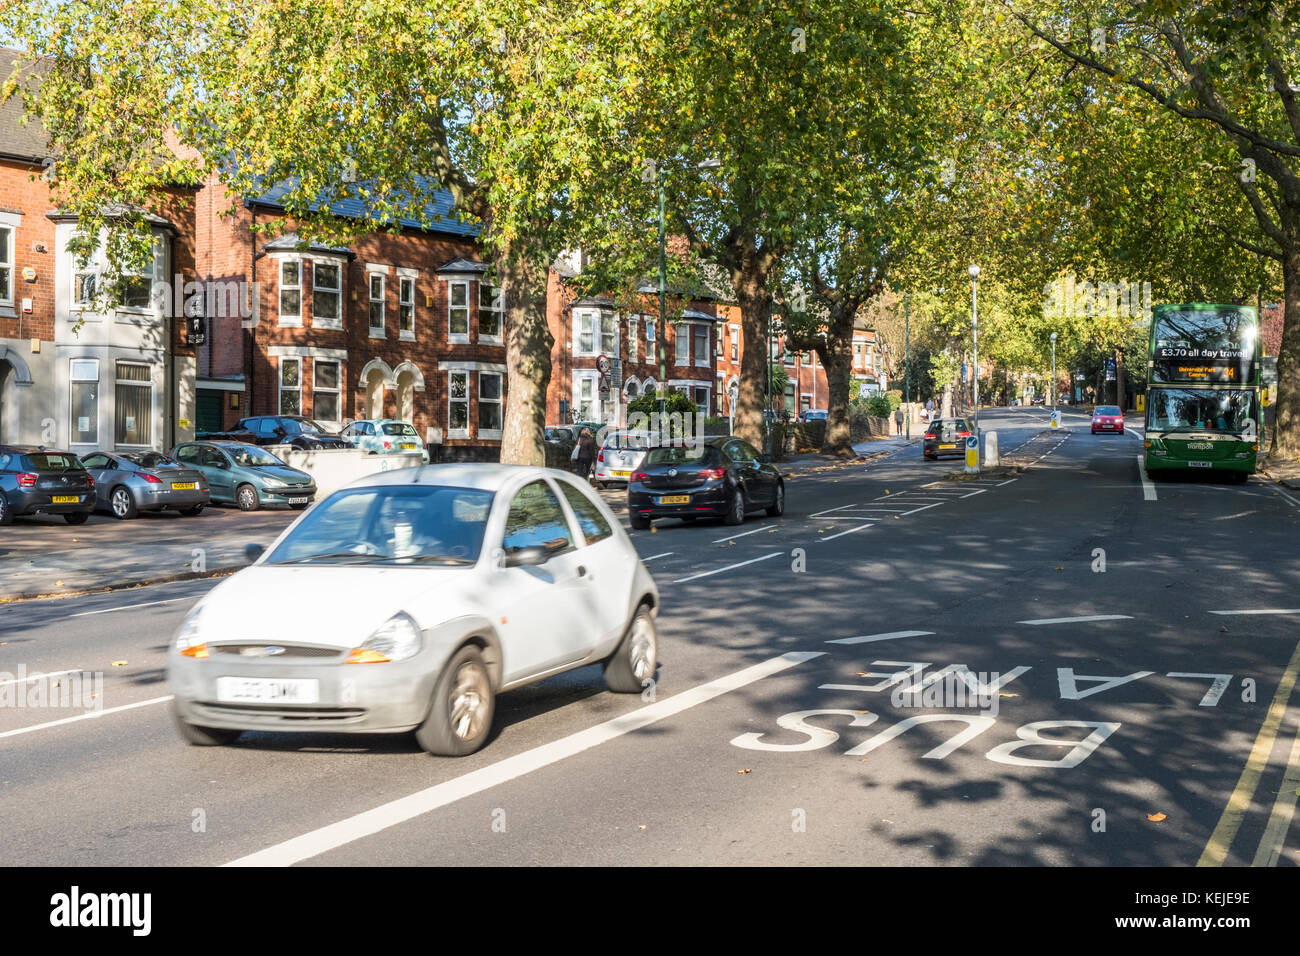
pixel 375 435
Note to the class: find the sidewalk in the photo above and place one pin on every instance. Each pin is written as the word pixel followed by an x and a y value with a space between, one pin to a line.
pixel 865 450
pixel 1285 472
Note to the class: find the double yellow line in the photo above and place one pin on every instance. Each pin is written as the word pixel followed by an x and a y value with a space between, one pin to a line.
pixel 1279 821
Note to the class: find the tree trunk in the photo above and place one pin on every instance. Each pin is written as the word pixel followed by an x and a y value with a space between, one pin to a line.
pixel 750 284
pixel 523 276
pixel 836 355
pixel 1286 429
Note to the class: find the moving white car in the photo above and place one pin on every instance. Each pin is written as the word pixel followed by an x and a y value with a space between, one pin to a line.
pixel 417 595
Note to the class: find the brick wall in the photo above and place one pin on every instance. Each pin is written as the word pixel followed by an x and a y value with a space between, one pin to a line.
pixel 22 192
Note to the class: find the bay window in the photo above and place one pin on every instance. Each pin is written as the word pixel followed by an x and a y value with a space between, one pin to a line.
pixel 489 405
pixel 290 291
pixel 133 404
pixel 325 390
pixel 83 375
pixel 376 306
pixel 327 294
pixel 458 404
pixel 489 311
pixel 290 386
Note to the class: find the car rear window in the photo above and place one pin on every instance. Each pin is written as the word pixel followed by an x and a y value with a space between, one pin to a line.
pixel 625 440
pixel 400 428
pixel 148 459
pixel 47 461
pixel 700 455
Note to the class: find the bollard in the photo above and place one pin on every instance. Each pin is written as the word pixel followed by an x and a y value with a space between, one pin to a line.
pixel 991 450
pixel 973 455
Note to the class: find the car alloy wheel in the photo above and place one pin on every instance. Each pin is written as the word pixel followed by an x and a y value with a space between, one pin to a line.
pixel 470 698
pixel 736 508
pixel 123 503
pixel 777 508
pixel 6 516
pixel 460 714
pixel 246 497
pixel 631 668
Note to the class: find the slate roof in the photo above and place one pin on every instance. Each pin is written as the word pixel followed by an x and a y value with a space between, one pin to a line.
pixel 439 207
pixel 29 142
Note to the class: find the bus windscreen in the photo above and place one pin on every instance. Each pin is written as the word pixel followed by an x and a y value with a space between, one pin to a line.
pixel 1201 410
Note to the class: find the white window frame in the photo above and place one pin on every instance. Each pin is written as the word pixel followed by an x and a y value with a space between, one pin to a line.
pixel 380 332
pixel 583 377
pixel 147 273
pixel 318 389
pixel 735 343
pixel 83 379
pixel 451 375
pixel 460 338
pixel 651 331
pixel 7 264
pixel 699 334
pixel 280 388
pixel 497 308
pixel 491 434
pixel 288 319
pixel 405 306
pixel 80 304
pixel 316 289
pixel 588 319
pixel 682 356
pixel 633 333
pixel 609 330
pixel 146 383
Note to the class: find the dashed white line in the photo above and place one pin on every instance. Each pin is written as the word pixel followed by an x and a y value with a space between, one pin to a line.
pixel 1080 620
pixel 1270 610
pixel 830 511
pixel 915 510
pixel 32 677
pixel 742 534
pixel 888 636
pixel 129 607
pixel 850 531
pixel 406 808
pixel 1007 482
pixel 91 715
pixel 1148 488
pixel 729 567
pixel 656 557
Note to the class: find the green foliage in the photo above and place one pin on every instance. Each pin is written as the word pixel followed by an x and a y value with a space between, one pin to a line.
pixel 879 406
pixel 674 402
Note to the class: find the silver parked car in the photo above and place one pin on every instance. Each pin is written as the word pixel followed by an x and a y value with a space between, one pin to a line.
pixel 620 455
pixel 475 579
pixel 127 483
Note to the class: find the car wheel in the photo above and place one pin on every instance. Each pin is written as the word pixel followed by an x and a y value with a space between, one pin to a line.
pixel 123 503
pixel 78 517
pixel 777 507
pixel 246 498
pixel 629 668
pixel 6 513
pixel 639 522
pixel 191 511
pixel 203 736
pixel 460 717
pixel 735 508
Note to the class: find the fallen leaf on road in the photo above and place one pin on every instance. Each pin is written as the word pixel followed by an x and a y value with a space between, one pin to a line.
pixel 119 663
pixel 1156 817
pixel 1060 569
pixel 746 770
pixel 641 827
pixel 58 584
pixel 1008 695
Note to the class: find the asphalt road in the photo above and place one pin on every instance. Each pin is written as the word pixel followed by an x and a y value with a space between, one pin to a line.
pixel 1087 608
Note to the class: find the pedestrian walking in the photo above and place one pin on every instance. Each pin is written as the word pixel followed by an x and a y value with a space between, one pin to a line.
pixel 898 419
pixel 586 453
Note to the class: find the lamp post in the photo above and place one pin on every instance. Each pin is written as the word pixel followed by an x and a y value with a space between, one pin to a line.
pixel 663 275
pixel 907 364
pixel 974 272
pixel 1053 337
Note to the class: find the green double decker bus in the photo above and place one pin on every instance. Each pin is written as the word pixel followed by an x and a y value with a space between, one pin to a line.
pixel 1203 377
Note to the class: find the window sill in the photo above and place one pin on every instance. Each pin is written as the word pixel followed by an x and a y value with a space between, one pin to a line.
pixel 457 339
pixel 7 311
pixel 490 340
pixel 489 434
pixel 406 336
pixel 457 433
pixel 333 324
pixel 287 323
pixel 378 335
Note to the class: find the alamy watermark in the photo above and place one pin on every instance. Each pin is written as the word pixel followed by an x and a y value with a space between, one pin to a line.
pixel 953 688
pixel 1123 299
pixel 81 690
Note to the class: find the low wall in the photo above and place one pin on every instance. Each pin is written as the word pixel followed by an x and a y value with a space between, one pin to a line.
pixel 332 468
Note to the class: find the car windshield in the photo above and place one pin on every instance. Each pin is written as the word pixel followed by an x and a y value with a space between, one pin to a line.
pixel 682 455
pixel 149 459
pixel 1201 409
pixel 392 524
pixel 52 461
pixel 1107 410
pixel 252 457
pixel 400 428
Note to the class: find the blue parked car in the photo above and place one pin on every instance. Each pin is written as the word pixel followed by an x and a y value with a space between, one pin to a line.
pixel 246 475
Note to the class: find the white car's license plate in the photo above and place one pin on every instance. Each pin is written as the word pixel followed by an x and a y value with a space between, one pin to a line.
pixel 620 474
pixel 1200 464
pixel 299 501
pixel 273 690
pixel 407 446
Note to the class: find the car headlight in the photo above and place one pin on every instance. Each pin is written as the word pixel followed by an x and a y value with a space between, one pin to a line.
pixel 273 483
pixel 397 639
pixel 188 641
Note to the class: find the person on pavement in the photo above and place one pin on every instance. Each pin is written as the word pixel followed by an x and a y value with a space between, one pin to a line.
pixel 898 419
pixel 586 453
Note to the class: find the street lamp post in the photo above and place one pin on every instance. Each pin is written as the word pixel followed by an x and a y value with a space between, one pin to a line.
pixel 1053 373
pixel 974 272
pixel 907 364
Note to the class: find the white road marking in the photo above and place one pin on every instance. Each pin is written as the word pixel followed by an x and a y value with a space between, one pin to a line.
pixel 743 533
pixel 1148 489
pixel 1293 502
pixel 871 638
pixel 91 715
pixel 1080 620
pixel 977 491
pixel 878 508
pixel 129 607
pixel 1271 610
pixel 829 511
pixel 915 510
pixel 655 557
pixel 729 567
pixel 850 531
pixel 1007 482
pixel 32 677
pixel 390 814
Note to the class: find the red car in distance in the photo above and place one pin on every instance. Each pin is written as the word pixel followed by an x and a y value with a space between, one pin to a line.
pixel 1107 418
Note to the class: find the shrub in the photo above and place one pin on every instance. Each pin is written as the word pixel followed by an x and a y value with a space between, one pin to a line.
pixel 879 406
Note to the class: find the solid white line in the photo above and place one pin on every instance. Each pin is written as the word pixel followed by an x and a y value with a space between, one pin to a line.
pixel 915 510
pixel 1080 620
pixel 1007 482
pixel 829 510
pixel 911 498
pixel 878 508
pixel 655 557
pixel 977 491
pixel 87 716
pixel 1292 501
pixel 24 680
pixel 742 534
pixel 1148 489
pixel 850 531
pixel 129 607
pixel 1275 610
pixel 869 638
pixel 729 567
pixel 424 801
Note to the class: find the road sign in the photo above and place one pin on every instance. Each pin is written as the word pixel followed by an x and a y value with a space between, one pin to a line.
pixel 196 330
pixel 1110 370
pixel 972 454
pixel 602 364
pixel 1056 419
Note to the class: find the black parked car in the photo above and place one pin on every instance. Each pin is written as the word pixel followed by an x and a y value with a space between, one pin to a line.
pixel 724 477
pixel 40 481
pixel 292 430
pixel 946 436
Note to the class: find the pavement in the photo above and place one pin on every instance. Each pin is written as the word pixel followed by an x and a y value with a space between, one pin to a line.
pixel 1133 651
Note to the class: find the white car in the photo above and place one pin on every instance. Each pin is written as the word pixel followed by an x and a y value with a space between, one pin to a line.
pixel 620 454
pixel 408 600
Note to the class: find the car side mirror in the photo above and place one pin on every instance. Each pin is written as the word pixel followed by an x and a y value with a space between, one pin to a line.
pixel 528 557
pixel 253 552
